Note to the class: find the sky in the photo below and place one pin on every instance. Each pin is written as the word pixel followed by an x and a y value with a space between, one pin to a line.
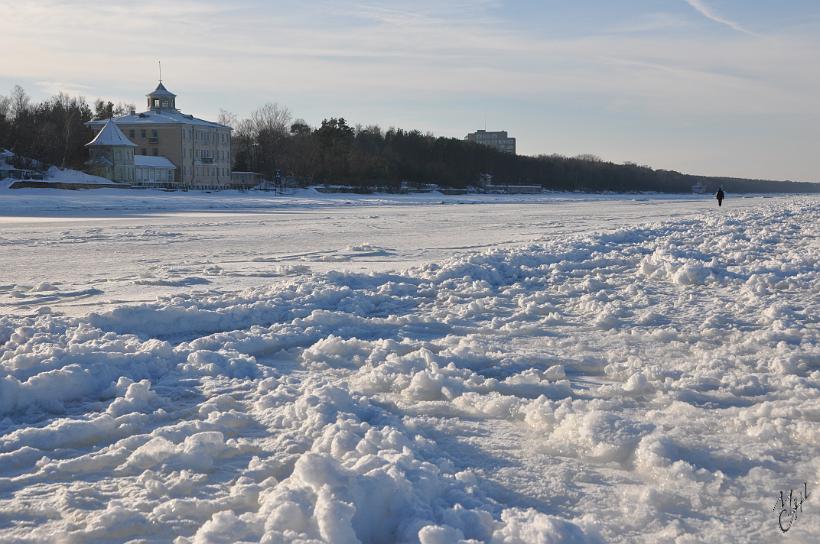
pixel 717 87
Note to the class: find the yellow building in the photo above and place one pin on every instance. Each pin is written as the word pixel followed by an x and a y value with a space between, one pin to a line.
pixel 199 150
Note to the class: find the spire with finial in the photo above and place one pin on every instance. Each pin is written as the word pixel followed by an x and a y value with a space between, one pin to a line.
pixel 161 98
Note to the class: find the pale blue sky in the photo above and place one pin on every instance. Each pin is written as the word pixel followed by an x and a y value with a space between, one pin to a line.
pixel 724 87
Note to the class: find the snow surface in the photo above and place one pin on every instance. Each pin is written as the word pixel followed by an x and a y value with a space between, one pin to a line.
pixel 528 371
pixel 108 247
pixel 163 116
pixel 67 175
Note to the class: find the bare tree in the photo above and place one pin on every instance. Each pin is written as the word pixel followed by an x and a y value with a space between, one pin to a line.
pixel 259 141
pixel 227 118
pixel 68 119
pixel 5 107
pixel 19 101
pixel 245 129
pixel 271 118
pixel 123 108
pixel 588 157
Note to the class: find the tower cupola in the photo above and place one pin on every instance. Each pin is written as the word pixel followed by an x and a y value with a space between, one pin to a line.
pixel 161 99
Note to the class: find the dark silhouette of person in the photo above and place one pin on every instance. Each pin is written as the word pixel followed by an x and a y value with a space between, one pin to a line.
pixel 719 195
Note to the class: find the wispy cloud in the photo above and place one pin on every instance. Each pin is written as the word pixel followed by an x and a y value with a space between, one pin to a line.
pixel 70 88
pixel 709 13
pixel 651 22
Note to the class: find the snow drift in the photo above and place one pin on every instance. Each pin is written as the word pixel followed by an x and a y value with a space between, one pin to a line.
pixel 651 384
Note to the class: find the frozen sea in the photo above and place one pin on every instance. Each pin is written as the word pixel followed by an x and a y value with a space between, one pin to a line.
pixel 245 367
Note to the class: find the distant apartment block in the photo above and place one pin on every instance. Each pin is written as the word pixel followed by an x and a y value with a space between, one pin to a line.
pixel 498 140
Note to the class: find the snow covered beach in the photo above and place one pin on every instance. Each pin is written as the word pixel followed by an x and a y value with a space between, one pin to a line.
pixel 79 251
pixel 376 370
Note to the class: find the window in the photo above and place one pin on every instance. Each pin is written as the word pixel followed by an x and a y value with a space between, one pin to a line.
pixel 132 133
pixel 156 102
pixel 142 133
pixel 144 151
pixel 154 133
pixel 155 151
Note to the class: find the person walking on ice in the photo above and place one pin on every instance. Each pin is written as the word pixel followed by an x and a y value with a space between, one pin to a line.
pixel 719 195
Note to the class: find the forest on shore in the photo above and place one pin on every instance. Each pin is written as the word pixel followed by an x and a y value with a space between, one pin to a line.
pixel 53 132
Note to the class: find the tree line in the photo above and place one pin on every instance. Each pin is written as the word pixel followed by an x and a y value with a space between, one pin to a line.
pixel 335 152
pixel 51 132
pixel 268 141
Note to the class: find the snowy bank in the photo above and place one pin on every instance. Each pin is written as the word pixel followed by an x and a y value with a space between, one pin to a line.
pixel 56 202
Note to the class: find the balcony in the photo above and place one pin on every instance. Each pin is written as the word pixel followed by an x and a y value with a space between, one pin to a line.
pixel 153 140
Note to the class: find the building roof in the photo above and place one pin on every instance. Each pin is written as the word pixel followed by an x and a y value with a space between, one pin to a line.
pixel 160 116
pixel 164 117
pixel 111 135
pixel 161 91
pixel 154 162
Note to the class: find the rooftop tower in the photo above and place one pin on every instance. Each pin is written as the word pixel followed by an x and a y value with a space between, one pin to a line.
pixel 161 99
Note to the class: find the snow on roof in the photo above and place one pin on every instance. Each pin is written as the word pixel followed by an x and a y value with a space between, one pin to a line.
pixel 160 91
pixel 111 135
pixel 164 117
pixel 155 162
